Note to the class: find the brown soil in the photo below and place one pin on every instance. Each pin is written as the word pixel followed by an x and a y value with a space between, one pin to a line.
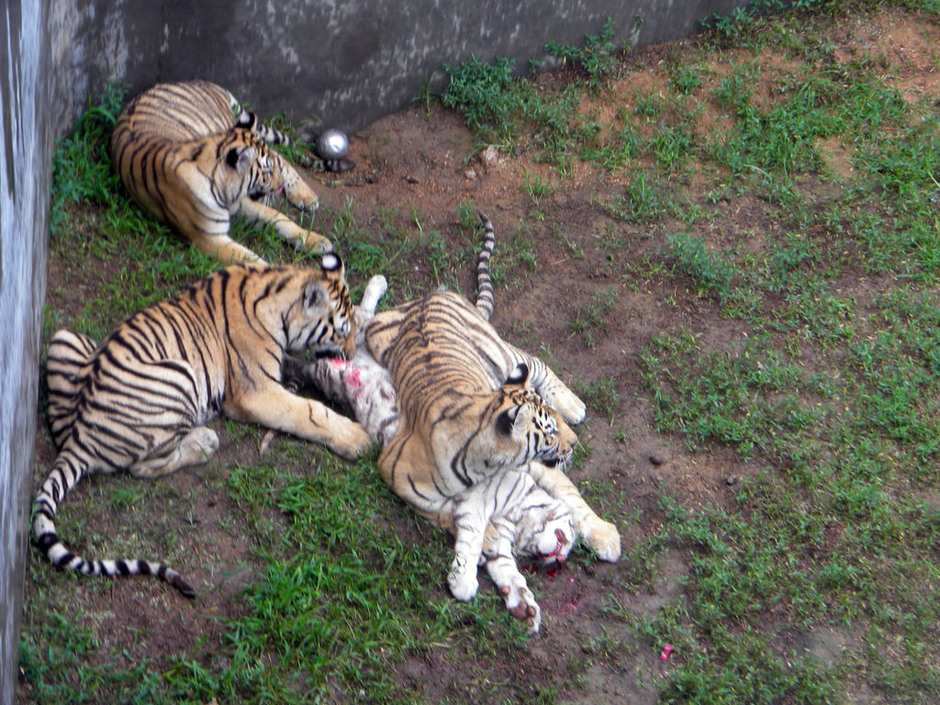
pixel 428 159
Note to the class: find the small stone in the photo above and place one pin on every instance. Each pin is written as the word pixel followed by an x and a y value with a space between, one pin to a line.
pixel 470 174
pixel 659 457
pixel 490 155
pixel 733 480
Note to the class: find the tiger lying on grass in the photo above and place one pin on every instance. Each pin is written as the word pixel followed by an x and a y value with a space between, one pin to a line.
pixel 189 154
pixel 473 439
pixel 140 400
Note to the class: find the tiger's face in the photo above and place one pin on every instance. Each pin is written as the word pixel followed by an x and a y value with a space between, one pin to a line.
pixel 545 532
pixel 246 167
pixel 322 322
pixel 535 428
pixel 526 428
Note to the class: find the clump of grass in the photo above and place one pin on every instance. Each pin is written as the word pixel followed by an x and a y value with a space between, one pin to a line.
pixel 601 397
pixel 736 27
pixel 501 107
pixel 484 93
pixel 81 167
pixel 599 57
pixel 594 316
pixel 643 201
pixel 685 79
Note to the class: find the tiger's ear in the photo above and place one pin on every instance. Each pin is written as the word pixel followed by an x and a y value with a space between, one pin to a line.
pixel 516 417
pixel 518 377
pixel 332 264
pixel 314 295
pixel 240 158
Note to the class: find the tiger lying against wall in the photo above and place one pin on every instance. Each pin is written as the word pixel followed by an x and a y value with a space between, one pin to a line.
pixel 189 154
pixel 140 400
pixel 475 437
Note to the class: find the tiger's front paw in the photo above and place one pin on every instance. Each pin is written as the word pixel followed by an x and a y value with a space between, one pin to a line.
pixel 355 441
pixel 462 579
pixel 316 243
pixel 603 538
pixel 522 605
pixel 572 410
pixel 300 195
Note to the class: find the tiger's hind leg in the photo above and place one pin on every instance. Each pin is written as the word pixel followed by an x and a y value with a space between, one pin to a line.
pixel 600 536
pixel 68 353
pixel 194 448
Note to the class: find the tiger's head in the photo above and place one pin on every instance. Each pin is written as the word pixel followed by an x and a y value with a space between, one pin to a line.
pixel 545 531
pixel 527 427
pixel 321 320
pixel 246 166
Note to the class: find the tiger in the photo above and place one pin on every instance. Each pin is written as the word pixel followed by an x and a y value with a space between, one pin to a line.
pixel 140 401
pixel 473 446
pixel 194 158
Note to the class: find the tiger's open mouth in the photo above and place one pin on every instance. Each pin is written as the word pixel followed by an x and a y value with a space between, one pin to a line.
pixel 558 555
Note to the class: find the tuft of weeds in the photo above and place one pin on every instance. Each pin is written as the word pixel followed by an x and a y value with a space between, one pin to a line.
pixel 594 316
pixel 81 166
pixel 485 93
pixel 643 201
pixel 599 57
pixel 504 108
pixel 739 27
pixel 601 396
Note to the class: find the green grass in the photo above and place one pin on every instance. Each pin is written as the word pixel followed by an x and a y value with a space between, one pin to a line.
pixel 834 392
pixel 325 608
pixel 593 318
pixel 598 58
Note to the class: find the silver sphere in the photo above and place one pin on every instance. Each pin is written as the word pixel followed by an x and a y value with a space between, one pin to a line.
pixel 332 144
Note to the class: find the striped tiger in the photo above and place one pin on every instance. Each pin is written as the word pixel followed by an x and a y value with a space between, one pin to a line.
pixel 189 154
pixel 469 440
pixel 140 400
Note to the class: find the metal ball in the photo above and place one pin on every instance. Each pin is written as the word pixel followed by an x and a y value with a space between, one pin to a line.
pixel 332 144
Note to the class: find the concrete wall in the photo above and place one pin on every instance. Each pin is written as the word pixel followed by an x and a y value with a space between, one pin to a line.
pixel 346 62
pixel 25 147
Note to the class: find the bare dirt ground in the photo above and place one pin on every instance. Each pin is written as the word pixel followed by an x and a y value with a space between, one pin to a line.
pixel 428 158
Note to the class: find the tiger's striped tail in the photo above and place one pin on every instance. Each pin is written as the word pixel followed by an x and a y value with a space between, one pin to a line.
pixel 66 473
pixel 485 299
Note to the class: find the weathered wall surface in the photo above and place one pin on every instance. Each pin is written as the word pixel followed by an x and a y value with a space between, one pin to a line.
pixel 338 63
pixel 25 147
